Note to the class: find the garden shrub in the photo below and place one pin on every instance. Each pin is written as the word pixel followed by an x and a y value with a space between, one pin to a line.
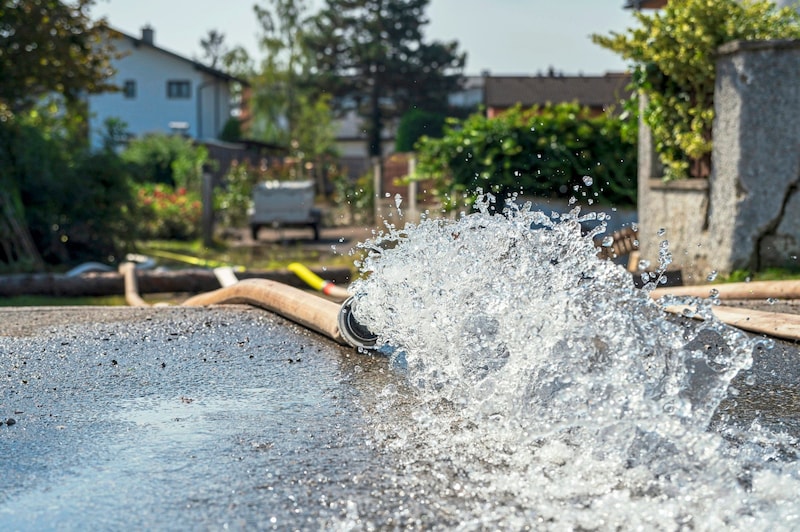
pixel 416 124
pixel 168 159
pixel 233 200
pixel 674 54
pixel 165 213
pixel 73 202
pixel 551 151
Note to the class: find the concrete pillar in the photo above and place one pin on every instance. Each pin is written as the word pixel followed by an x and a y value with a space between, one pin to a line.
pixel 755 205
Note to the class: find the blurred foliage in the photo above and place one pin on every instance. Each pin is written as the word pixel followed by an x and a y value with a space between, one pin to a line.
pixel 69 199
pixel 372 56
pixel 164 212
pixel 168 159
pixel 415 124
pixel 768 274
pixel 234 199
pixel 357 196
pixel 674 53
pixel 556 151
pixel 232 130
pixel 50 47
pixel 285 110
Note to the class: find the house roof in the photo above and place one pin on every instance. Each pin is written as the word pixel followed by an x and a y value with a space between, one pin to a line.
pixel 645 4
pixel 592 91
pixel 137 42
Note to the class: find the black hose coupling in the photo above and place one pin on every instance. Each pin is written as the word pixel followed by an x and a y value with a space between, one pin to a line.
pixel 353 332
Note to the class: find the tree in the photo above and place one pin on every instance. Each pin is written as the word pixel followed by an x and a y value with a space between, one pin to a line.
pixel 277 88
pixel 237 62
pixel 214 49
pixel 50 46
pixel 415 124
pixel 51 54
pixel 370 55
pixel 674 52
pixel 286 111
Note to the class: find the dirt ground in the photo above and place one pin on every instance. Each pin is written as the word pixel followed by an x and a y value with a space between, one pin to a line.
pixel 333 240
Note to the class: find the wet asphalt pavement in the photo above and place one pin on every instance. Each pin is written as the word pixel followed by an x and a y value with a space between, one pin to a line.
pixel 179 418
pixel 230 417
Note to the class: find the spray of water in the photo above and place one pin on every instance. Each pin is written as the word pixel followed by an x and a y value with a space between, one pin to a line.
pixel 544 389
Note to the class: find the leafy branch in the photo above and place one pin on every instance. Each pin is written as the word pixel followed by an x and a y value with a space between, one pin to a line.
pixel 674 53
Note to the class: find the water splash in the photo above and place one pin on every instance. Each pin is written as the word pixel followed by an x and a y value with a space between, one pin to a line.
pixel 544 389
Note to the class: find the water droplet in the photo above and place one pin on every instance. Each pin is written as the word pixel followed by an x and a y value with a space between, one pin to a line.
pixel 587 180
pixel 661 232
pixel 644 264
pixel 711 276
pixel 771 300
pixel 608 241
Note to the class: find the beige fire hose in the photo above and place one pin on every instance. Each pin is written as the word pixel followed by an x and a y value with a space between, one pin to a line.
pixel 132 297
pixel 336 321
pixel 752 290
pixel 777 324
pixel 333 320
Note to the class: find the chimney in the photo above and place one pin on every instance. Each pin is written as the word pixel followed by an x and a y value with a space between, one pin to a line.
pixel 147 35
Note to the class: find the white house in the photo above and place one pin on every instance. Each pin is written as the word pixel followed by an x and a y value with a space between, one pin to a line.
pixel 162 91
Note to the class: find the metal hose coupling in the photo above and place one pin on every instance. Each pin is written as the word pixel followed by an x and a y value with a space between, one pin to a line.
pixel 351 330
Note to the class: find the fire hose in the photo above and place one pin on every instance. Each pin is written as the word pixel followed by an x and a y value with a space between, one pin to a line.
pixel 331 319
pixel 337 321
pixel 776 324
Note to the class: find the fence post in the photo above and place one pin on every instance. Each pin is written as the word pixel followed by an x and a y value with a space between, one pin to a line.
pixel 411 212
pixel 377 185
pixel 208 209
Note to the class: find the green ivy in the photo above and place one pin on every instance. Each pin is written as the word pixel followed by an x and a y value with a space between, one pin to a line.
pixel 674 53
pixel 552 151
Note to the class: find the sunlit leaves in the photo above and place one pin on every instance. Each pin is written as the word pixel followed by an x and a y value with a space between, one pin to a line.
pixel 674 53
pixel 542 151
pixel 50 46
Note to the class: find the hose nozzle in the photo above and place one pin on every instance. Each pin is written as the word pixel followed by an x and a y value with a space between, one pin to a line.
pixel 351 330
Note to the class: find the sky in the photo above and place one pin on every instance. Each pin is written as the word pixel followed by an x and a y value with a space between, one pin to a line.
pixel 522 37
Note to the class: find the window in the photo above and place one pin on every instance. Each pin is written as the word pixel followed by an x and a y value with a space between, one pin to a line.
pixel 129 89
pixel 179 89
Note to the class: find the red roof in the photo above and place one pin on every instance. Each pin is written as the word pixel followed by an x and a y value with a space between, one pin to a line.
pixel 591 91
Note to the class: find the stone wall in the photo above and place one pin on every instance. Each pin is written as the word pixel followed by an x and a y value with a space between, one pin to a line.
pixel 675 211
pixel 747 214
pixel 755 208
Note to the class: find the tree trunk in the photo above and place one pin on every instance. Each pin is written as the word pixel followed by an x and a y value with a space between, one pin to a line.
pixel 15 239
pixel 150 282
